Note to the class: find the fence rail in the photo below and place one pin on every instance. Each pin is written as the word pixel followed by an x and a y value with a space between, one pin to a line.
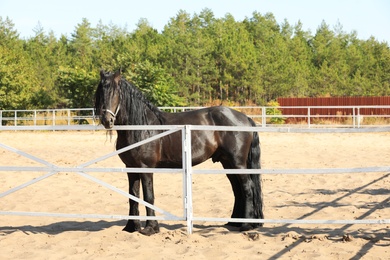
pixel 302 116
pixel 187 172
pixel 53 117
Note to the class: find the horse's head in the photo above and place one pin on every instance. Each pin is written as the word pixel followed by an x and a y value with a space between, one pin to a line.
pixel 107 98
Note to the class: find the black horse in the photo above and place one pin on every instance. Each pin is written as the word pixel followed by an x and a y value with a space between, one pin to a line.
pixel 118 102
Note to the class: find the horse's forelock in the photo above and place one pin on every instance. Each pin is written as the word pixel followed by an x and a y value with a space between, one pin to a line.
pixel 100 95
pixel 99 99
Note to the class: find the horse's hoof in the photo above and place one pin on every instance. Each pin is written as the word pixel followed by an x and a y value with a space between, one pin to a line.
pixel 233 224
pixel 148 231
pixel 246 227
pixel 258 225
pixel 131 228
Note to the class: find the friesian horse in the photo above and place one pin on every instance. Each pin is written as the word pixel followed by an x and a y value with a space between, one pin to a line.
pixel 118 102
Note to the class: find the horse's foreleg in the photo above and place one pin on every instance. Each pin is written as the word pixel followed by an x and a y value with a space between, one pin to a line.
pixel 147 188
pixel 134 186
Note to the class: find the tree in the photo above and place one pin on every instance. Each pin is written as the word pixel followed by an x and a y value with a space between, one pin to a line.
pixel 235 55
pixel 206 71
pixel 198 57
pixel 176 54
pixel 302 66
pixel 46 56
pixel 81 45
pixel 109 46
pixel 188 55
pixel 76 87
pixel 77 81
pixel 17 79
pixel 272 56
pixel 156 84
pixel 8 34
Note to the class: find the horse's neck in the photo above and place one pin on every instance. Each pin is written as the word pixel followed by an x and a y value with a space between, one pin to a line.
pixel 154 114
pixel 140 111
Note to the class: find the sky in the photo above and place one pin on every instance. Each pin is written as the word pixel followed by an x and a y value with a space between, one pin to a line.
pixel 366 17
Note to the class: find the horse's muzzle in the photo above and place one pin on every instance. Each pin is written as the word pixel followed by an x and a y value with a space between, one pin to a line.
pixel 108 121
pixel 108 118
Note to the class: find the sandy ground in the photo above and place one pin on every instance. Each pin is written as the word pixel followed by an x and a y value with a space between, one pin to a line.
pixel 335 196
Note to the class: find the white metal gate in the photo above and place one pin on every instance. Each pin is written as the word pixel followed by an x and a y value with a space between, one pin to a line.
pixel 186 171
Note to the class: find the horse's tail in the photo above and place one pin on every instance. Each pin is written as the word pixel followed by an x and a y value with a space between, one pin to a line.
pixel 253 162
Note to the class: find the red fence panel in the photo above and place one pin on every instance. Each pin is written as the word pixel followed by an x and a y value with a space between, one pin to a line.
pixel 335 101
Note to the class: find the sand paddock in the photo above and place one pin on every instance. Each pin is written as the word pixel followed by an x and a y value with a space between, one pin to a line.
pixel 336 196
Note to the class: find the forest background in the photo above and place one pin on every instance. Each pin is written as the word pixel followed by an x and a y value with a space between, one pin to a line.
pixel 196 60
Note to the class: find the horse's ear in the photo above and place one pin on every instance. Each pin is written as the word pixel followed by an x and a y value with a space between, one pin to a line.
pixel 117 76
pixel 101 74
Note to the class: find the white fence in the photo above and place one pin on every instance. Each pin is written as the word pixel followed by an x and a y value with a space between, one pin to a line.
pixel 187 171
pixel 48 117
pixel 264 116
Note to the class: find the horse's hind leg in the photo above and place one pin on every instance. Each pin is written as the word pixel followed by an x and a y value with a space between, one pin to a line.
pixel 242 186
pixel 134 186
pixel 237 187
pixel 238 208
pixel 147 187
pixel 247 188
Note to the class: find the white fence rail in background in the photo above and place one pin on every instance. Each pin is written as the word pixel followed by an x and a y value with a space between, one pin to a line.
pixel 187 172
pixel 49 117
pixel 264 116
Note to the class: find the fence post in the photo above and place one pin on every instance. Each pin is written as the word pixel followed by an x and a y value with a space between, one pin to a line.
pixel 16 118
pixel 308 117
pixel 187 166
pixel 54 118
pixel 93 117
pixel 35 118
pixel 263 117
pixel 359 118
pixel 68 110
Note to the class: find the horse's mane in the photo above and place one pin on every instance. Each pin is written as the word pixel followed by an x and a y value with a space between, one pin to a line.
pixel 134 106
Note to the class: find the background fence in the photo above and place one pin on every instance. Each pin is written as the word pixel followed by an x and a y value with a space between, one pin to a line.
pixel 375 105
pixel 337 107
pixel 53 117
pixel 290 116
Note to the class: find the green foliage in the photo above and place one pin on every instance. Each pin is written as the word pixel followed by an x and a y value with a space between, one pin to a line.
pixel 18 83
pixel 155 84
pixel 77 86
pixel 274 111
pixel 196 59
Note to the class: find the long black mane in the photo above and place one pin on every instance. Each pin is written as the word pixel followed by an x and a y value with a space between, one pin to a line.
pixel 135 106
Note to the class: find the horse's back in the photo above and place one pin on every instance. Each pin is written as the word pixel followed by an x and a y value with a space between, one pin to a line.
pixel 217 115
pixel 224 116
